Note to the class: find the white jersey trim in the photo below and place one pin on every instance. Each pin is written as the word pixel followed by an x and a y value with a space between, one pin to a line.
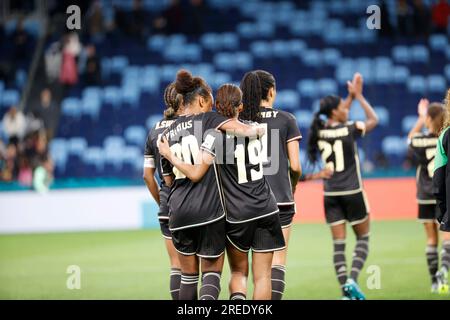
pixel 252 219
pixel 198 224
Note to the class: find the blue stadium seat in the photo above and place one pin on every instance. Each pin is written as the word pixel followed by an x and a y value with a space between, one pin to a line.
pixel 77 145
pixel 352 36
pixel 417 84
pixel 327 86
pixel 383 115
pixel 10 97
pixel 58 152
pixel 94 156
pixel 401 54
pixel 218 79
pixel 261 49
pixel 156 42
pixel 113 142
pixel 152 120
pixel 401 74
pixel 21 78
pixel 394 145
pixel 131 94
pixel 420 53
pixel 211 41
pixel 243 60
pixel 437 83
pixel 331 56
pixel 447 72
pixel 281 49
pixel 133 155
pixel 230 40
pixel 297 47
pixel 112 95
pixel 136 135
pixel 307 88
pixel 312 58
pixel 118 63
pixel 192 52
pixel 408 123
pixel 246 29
pixel 71 107
pixel 168 72
pixel 304 118
pixel 149 82
pixel 288 99
pixel 438 42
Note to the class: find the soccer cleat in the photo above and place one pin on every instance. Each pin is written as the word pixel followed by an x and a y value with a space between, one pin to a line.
pixel 354 290
pixel 442 281
pixel 434 287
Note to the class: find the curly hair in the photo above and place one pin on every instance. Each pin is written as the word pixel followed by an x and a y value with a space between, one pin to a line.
pixel 228 99
pixel 190 87
pixel 447 110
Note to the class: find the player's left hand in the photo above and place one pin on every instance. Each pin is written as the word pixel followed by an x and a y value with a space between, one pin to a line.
pixel 164 148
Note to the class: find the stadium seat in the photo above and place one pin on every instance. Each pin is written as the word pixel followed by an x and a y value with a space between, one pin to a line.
pixel 312 58
pixel 438 42
pixel 447 72
pixel 281 49
pixel 401 54
pixel 420 53
pixel 10 97
pixel 331 56
pixel 113 142
pixel 71 107
pixel 230 40
pixel 417 84
pixel 401 74
pixel 118 64
pixel 152 120
pixel 408 123
pixel 112 95
pixel 130 94
pixel 136 135
pixel 218 79
pixel 133 155
pixel 76 146
pixel 243 60
pixel 261 49
pixel 156 42
pixel 288 99
pixel 58 152
pixel 94 156
pixel 327 86
pixel 394 145
pixel 383 115
pixel 211 41
pixel 437 83
pixel 307 88
pixel 296 47
pixel 304 118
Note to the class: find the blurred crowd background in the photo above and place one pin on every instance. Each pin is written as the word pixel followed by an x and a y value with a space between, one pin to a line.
pixel 76 105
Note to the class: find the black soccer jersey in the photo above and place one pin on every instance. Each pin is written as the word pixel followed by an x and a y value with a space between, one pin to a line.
pixel 281 128
pixel 337 145
pixel 245 191
pixel 152 160
pixel 192 204
pixel 424 148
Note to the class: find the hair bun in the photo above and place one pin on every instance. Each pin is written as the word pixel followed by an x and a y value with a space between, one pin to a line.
pixel 185 83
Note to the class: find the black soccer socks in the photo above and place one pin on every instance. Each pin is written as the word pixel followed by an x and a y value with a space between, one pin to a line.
pixel 432 260
pixel 175 279
pixel 359 256
pixel 278 283
pixel 210 288
pixel 188 286
pixel 340 264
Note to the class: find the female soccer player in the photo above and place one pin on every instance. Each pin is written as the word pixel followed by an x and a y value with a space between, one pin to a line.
pixel 334 137
pixel 423 146
pixel 251 208
pixel 282 167
pixel 441 187
pixel 196 215
pixel 173 102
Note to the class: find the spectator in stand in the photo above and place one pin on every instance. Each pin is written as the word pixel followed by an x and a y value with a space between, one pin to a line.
pixel 92 72
pixel 386 26
pixel 441 13
pixel 171 20
pixel 421 19
pixel 71 50
pixel 96 22
pixel 25 172
pixel 9 168
pixel 197 12
pixel 20 39
pixel 138 20
pixel 404 18
pixel 14 125
pixel 43 175
pixel 46 112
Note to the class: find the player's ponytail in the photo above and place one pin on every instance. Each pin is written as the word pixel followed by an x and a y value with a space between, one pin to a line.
pixel 228 100
pixel 172 100
pixel 251 96
pixel 327 105
pixel 190 87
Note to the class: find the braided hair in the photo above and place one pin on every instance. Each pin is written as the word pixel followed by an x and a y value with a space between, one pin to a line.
pixel 228 99
pixel 172 100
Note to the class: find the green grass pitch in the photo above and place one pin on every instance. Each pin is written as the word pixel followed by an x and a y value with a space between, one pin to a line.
pixel 134 265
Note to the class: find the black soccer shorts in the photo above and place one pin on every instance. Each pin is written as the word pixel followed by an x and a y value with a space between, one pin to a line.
pixel 286 215
pixel 352 208
pixel 164 226
pixel 206 241
pixel 260 235
pixel 428 212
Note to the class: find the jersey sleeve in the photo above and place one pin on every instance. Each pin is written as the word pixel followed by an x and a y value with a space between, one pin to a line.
pixel 212 142
pixel 293 132
pixel 358 128
pixel 214 120
pixel 149 153
pixel 440 174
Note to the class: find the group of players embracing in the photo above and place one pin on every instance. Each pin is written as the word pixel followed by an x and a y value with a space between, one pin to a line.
pixel 228 177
